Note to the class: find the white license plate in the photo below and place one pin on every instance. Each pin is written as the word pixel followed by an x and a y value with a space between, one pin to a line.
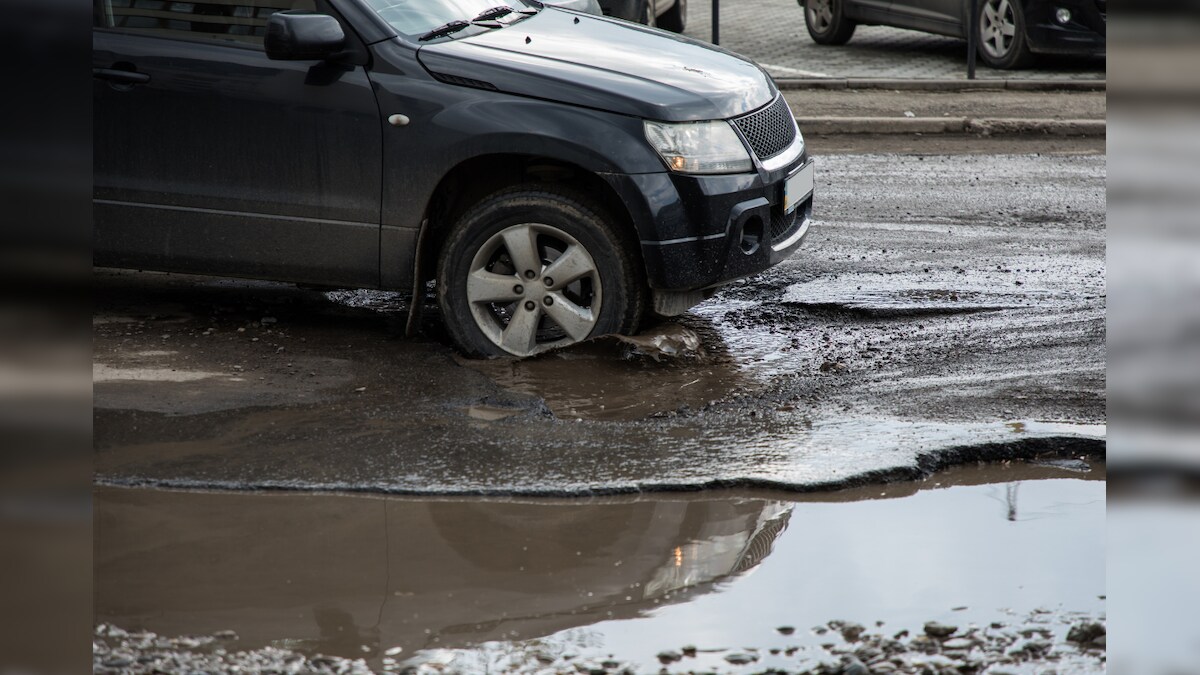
pixel 798 187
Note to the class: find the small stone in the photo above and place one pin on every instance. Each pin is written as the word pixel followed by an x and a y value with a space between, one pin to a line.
pixel 786 630
pixel 741 658
pixel 669 656
pixel 939 630
pixel 958 643
pixel 852 631
pixel 855 667
pixel 117 662
pixel 225 635
pixel 868 654
pixel 267 320
pixel 1101 642
pixel 1086 632
pixel 1030 647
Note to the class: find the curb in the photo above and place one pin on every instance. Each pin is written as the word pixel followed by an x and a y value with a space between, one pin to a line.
pixel 940 85
pixel 984 126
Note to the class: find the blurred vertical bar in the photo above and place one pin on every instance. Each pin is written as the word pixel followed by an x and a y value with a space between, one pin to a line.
pixel 972 36
pixel 716 22
pixel 45 383
pixel 1154 338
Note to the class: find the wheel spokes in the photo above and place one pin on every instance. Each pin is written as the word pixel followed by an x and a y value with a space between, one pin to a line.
pixel 571 265
pixel 522 247
pixel 575 320
pixel 520 335
pixel 485 286
pixel 989 13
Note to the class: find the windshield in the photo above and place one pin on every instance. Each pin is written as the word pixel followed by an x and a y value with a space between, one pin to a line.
pixel 417 17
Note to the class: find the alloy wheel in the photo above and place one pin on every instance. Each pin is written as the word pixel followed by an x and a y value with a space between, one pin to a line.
pixel 533 287
pixel 820 15
pixel 997 27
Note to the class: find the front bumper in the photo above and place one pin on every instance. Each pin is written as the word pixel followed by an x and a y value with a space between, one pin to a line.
pixel 702 231
pixel 1084 35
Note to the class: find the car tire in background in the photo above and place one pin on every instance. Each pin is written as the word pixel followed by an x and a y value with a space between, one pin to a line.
pixel 827 22
pixel 674 19
pixel 1000 33
pixel 535 267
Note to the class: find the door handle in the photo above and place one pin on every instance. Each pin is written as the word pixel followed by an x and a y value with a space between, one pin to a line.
pixel 121 76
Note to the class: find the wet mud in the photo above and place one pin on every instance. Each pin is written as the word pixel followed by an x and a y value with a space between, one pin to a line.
pixel 1010 555
pixel 945 309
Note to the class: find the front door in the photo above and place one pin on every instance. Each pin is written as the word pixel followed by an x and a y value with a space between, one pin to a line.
pixel 209 157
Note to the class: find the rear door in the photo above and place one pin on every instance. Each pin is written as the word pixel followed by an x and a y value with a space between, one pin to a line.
pixel 209 157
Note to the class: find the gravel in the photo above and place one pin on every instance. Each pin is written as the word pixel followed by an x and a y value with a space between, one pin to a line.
pixel 1042 641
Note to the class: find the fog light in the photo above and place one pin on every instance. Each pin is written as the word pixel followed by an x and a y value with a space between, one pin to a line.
pixel 1063 15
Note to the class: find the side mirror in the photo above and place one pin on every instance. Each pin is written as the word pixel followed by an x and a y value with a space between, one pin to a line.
pixel 297 35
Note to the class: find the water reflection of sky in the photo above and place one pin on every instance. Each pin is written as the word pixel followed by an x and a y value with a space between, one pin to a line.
pixel 902 561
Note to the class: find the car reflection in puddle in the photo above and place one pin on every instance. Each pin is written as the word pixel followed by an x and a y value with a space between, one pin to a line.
pixel 353 576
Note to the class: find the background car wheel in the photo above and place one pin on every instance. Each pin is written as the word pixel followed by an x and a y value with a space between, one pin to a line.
pixel 674 19
pixel 532 268
pixel 827 23
pixel 1001 34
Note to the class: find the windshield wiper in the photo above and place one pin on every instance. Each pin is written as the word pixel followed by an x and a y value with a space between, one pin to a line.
pixel 493 13
pixel 444 29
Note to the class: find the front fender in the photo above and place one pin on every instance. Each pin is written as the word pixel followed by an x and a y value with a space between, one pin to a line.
pixel 451 124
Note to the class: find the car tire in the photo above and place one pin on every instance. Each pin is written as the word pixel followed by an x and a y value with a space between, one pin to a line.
pixel 827 23
pixel 674 19
pixel 1000 35
pixel 495 279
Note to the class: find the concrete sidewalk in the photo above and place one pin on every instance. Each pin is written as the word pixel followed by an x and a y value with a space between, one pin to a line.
pixel 987 112
pixel 772 33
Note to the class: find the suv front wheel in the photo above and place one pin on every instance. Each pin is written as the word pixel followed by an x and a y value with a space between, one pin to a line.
pixel 533 268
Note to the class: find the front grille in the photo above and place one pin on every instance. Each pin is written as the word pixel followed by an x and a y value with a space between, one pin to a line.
pixel 769 130
pixel 782 223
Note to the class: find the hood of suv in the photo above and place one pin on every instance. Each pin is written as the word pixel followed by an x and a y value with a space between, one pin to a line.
pixel 605 64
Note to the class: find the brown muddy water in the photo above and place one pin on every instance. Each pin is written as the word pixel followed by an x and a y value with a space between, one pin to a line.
pixel 467 583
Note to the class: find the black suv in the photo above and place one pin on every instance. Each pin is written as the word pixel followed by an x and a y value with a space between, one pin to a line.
pixel 560 175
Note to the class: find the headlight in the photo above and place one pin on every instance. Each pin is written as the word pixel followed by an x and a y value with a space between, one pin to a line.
pixel 699 147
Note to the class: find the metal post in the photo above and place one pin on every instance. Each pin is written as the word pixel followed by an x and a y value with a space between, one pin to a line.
pixel 972 36
pixel 716 21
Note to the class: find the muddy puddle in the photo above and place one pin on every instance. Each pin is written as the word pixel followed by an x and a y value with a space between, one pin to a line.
pixel 468 584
